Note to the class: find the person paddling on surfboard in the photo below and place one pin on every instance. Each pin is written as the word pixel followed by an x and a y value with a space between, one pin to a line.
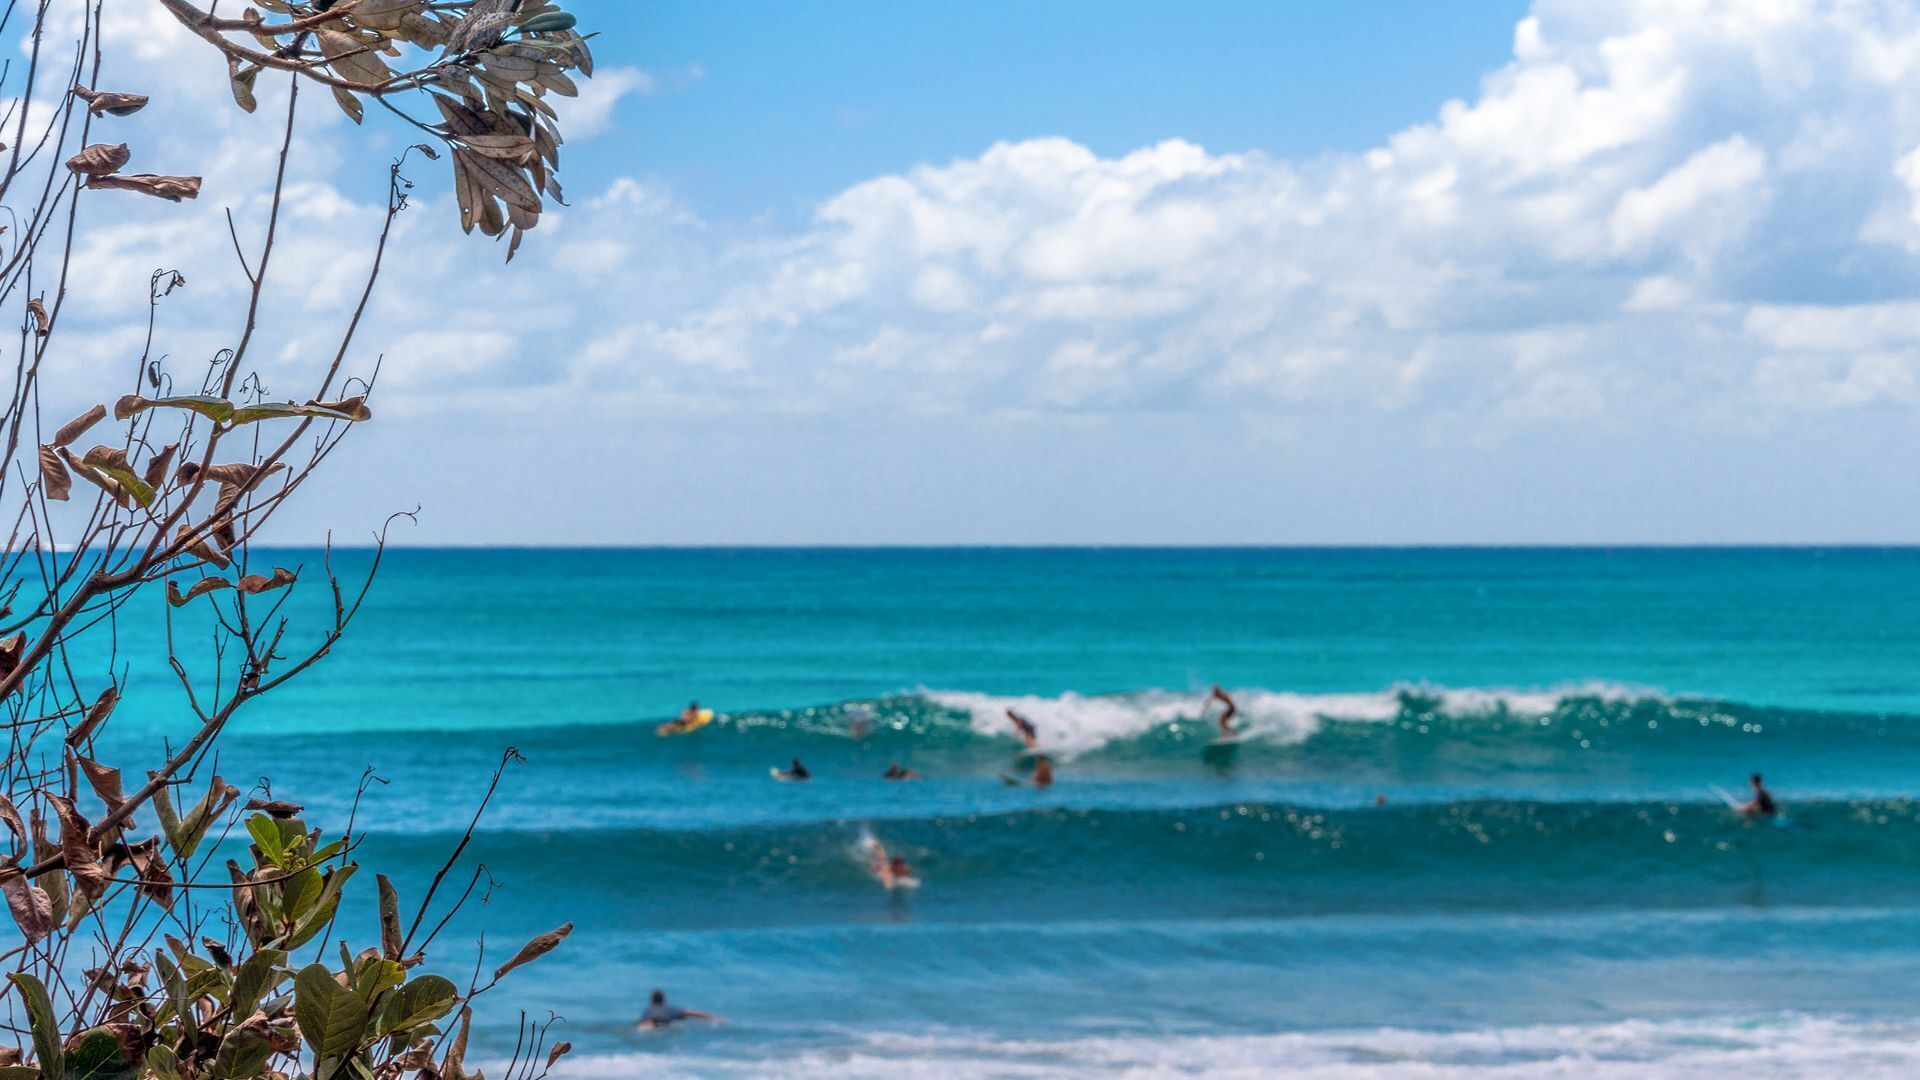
pixel 1029 735
pixel 895 772
pixel 659 1014
pixel 1228 729
pixel 1762 804
pixel 796 771
pixel 1042 772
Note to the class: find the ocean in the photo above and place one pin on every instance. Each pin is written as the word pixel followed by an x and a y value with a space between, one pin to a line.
pixel 1472 829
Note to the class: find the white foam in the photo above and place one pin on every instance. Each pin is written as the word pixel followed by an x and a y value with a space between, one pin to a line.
pixel 1074 723
pixel 1775 1046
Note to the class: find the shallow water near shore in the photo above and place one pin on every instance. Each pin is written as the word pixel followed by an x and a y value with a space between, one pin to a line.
pixel 1551 886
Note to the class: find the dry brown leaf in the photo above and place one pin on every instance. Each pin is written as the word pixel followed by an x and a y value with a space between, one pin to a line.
pixel 106 784
pixel 100 159
pixel 83 859
pixel 107 101
pixel 560 1050
pixel 55 481
pixel 352 59
pixel 78 426
pixel 11 817
pixel 258 583
pixel 202 547
pixel 97 714
pixel 199 588
pixel 42 324
pixel 32 908
pixel 535 949
pixel 156 469
pixel 171 188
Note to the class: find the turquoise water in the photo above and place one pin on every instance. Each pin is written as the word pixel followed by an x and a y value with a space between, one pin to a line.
pixel 1550 885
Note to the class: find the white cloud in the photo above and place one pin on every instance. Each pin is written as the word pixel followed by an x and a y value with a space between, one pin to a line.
pixel 1657 212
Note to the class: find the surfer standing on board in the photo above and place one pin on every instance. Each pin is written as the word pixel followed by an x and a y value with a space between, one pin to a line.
pixel 1227 727
pixel 659 1014
pixel 1762 804
pixel 1028 734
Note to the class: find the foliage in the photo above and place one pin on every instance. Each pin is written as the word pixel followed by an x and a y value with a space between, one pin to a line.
pixel 207 948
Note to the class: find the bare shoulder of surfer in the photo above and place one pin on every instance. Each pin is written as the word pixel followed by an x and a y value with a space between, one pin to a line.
pixel 1028 733
pixel 1762 804
pixel 1227 726
pixel 659 1013
pixel 1042 772
pixel 895 772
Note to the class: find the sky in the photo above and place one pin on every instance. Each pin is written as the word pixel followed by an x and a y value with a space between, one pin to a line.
pixel 1574 271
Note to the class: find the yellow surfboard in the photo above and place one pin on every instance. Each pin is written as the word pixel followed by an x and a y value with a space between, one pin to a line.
pixel 681 727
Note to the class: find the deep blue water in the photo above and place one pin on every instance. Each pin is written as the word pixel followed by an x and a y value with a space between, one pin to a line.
pixel 1476 799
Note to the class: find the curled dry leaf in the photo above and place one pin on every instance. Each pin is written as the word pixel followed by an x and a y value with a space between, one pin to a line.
pixel 32 908
pixel 83 859
pixel 110 102
pixel 198 588
pixel 156 470
pixel 560 1050
pixel 352 59
pixel 10 651
pixel 242 80
pixel 219 410
pixel 78 426
pixel 42 324
pixel 112 461
pixel 276 808
pixel 171 188
pixel 201 547
pixel 100 159
pixel 486 23
pixel 97 714
pixel 55 481
pixel 253 584
pixel 11 817
pixel 535 949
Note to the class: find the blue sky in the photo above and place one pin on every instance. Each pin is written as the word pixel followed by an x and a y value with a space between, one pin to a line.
pixel 1584 271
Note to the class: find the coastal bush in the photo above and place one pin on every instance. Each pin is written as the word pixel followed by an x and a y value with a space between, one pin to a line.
pixel 206 946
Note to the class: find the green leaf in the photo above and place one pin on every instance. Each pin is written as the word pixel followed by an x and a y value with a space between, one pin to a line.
pixel 322 910
pixel 97 1056
pixel 258 975
pixel 177 998
pixel 46 1029
pixel 376 977
pixel 266 837
pixel 219 410
pixel 548 23
pixel 424 1000
pixel 243 1056
pixel 332 1018
pixel 162 1064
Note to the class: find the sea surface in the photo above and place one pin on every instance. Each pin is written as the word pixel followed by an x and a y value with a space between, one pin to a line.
pixel 1472 829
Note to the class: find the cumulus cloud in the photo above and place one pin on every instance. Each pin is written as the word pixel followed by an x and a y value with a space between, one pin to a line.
pixel 1655 210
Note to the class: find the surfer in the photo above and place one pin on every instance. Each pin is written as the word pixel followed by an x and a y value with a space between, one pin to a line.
pixel 1042 772
pixel 1762 804
pixel 659 1014
pixel 691 717
pixel 1029 736
pixel 1227 728
pixel 891 871
pixel 895 772
pixel 795 771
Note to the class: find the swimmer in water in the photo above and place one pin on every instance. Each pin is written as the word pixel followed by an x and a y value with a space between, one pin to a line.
pixel 890 871
pixel 1042 773
pixel 1029 736
pixel 1762 804
pixel 659 1014
pixel 895 772
pixel 1227 727
pixel 796 771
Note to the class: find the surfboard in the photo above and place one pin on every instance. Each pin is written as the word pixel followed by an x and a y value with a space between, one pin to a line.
pixel 782 775
pixel 1220 751
pixel 1727 797
pixel 676 727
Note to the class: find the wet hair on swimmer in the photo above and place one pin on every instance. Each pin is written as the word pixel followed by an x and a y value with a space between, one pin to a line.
pixel 659 997
pixel 1755 778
